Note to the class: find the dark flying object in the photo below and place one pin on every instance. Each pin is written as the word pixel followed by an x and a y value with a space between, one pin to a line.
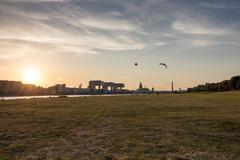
pixel 136 64
pixel 163 64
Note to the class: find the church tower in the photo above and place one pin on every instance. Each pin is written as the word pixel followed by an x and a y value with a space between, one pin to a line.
pixel 140 86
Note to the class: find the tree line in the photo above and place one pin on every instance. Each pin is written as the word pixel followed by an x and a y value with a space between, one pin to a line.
pixel 227 85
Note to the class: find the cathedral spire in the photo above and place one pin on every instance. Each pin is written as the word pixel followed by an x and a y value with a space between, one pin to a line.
pixel 140 86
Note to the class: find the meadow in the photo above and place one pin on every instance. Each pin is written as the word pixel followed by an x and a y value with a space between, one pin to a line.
pixel 194 126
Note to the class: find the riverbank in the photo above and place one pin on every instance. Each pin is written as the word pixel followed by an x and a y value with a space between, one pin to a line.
pixel 170 126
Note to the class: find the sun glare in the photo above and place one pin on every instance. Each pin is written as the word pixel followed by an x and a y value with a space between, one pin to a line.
pixel 31 76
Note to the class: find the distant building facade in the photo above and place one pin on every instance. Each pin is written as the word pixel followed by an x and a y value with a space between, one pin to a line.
pixel 143 90
pixel 98 86
pixel 95 87
pixel 18 88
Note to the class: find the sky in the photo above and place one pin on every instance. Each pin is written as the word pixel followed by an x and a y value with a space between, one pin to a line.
pixel 74 41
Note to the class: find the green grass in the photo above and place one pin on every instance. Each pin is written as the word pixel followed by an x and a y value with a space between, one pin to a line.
pixel 169 127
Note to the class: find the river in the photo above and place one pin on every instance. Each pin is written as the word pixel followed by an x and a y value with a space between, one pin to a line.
pixel 55 96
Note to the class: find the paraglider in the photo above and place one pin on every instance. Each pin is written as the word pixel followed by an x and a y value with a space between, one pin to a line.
pixel 163 64
pixel 160 64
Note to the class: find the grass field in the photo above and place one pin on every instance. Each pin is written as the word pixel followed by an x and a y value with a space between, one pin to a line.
pixel 169 127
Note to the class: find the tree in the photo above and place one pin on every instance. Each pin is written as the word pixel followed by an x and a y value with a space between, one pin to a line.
pixel 234 81
pixel 238 84
pixel 232 84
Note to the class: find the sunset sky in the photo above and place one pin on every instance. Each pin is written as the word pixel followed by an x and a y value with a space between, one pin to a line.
pixel 74 41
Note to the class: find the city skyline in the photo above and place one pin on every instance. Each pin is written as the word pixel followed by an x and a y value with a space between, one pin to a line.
pixel 73 41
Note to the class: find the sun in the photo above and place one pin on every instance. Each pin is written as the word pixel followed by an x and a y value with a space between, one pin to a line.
pixel 31 76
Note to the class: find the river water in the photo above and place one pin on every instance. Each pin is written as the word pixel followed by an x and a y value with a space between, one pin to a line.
pixel 55 96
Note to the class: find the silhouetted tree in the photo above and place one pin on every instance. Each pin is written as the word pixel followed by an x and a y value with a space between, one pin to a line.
pixel 238 84
pixel 232 84
pixel 234 81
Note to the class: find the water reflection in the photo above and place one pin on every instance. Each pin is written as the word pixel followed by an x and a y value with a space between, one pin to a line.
pixel 55 96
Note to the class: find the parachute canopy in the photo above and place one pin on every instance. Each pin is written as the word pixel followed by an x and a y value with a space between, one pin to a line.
pixel 163 64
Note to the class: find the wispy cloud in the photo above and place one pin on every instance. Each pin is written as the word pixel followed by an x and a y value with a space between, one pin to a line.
pixel 111 24
pixel 90 27
pixel 197 28
pixel 221 5
pixel 36 1
pixel 201 43
pixel 75 32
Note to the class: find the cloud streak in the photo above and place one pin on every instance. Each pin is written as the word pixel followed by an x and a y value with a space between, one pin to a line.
pixel 74 32
pixel 92 27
